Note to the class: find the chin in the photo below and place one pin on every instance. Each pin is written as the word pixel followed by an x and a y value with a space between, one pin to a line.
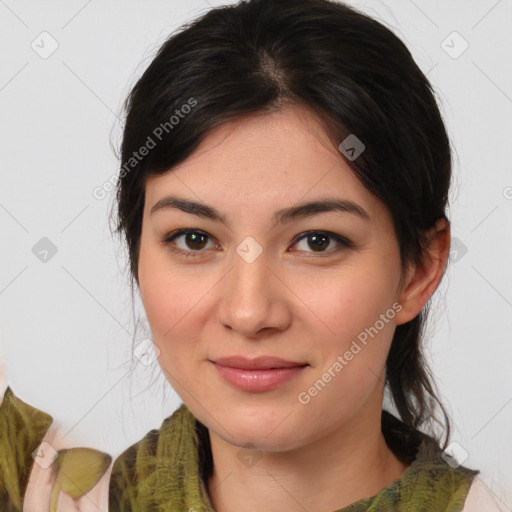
pixel 254 440
pixel 264 430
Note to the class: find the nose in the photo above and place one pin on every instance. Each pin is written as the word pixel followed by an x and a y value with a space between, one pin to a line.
pixel 254 298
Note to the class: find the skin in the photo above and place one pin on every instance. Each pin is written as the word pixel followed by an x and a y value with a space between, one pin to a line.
pixel 291 301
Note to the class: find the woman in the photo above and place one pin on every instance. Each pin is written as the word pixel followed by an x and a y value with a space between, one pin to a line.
pixel 282 194
pixel 283 199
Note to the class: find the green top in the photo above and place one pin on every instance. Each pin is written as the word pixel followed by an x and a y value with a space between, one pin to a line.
pixel 167 469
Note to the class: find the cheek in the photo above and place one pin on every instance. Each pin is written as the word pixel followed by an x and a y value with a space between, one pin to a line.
pixel 166 311
pixel 357 319
pixel 166 299
pixel 351 301
pixel 156 294
pixel 172 297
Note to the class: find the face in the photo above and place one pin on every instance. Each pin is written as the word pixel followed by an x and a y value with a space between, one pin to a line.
pixel 317 287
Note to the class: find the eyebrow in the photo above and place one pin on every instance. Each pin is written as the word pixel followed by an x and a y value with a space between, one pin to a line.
pixel 282 216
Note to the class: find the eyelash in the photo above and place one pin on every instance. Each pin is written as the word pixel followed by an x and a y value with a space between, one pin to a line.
pixel 344 242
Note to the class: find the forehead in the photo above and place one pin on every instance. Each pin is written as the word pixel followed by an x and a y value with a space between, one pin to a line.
pixel 260 160
pixel 260 139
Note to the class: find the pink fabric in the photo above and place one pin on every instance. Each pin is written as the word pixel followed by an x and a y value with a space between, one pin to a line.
pixel 481 498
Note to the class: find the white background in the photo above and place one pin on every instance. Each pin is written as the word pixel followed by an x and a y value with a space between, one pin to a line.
pixel 66 325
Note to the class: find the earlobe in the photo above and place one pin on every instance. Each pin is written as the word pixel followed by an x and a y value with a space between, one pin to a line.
pixel 422 280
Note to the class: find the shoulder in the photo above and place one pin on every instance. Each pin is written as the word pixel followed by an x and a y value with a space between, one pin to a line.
pixel 481 497
pixel 130 469
pixel 153 472
pixel 432 481
pixel 132 481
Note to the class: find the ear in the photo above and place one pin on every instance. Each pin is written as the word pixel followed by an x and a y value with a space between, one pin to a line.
pixel 422 280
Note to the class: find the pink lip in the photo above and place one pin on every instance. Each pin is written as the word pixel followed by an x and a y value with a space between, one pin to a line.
pixel 260 374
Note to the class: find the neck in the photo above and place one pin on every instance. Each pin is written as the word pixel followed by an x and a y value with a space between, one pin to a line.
pixel 347 465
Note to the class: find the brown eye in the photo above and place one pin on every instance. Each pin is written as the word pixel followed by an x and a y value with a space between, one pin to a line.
pixel 319 241
pixel 192 241
pixel 195 240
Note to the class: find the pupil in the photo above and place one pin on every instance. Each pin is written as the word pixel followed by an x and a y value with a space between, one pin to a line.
pixel 318 241
pixel 192 240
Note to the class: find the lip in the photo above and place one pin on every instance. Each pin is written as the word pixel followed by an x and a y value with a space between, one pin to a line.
pixel 259 374
pixel 257 363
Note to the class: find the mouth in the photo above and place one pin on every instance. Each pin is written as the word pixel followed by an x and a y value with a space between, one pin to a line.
pixel 263 373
